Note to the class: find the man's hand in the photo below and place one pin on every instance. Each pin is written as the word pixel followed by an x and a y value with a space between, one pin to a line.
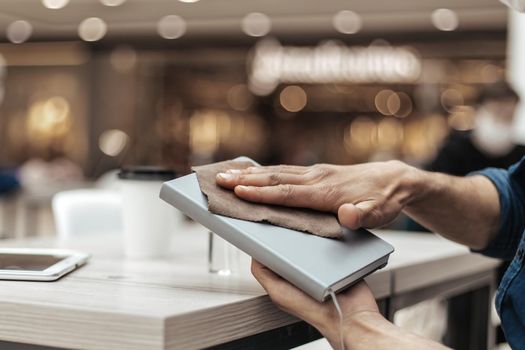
pixel 355 302
pixel 371 195
pixel 365 195
pixel 363 326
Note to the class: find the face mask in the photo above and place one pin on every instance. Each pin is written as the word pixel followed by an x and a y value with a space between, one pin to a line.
pixel 518 5
pixel 491 136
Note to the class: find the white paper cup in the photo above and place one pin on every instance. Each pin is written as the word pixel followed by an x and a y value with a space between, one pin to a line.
pixel 149 222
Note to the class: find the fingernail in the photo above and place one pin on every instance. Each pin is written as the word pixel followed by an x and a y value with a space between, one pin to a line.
pixel 243 188
pixel 225 176
pixel 234 171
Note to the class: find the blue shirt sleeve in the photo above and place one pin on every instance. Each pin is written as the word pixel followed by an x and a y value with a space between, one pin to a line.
pixel 8 182
pixel 510 184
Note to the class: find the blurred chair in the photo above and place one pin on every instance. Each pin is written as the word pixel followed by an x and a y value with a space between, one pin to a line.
pixel 86 211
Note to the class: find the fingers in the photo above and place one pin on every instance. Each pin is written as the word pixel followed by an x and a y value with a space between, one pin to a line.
pixel 362 214
pixel 280 169
pixel 261 272
pixel 349 216
pixel 303 196
pixel 230 180
pixel 268 279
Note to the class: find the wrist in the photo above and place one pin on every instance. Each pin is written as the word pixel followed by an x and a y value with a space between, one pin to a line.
pixel 364 330
pixel 410 182
pixel 359 329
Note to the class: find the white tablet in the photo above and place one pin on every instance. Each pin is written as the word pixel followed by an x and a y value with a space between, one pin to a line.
pixel 38 264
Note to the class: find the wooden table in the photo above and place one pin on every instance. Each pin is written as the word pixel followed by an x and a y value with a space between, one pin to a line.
pixel 114 303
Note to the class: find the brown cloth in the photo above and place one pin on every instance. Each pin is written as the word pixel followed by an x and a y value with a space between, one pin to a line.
pixel 224 202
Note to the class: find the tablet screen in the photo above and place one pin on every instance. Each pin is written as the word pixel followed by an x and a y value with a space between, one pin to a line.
pixel 32 262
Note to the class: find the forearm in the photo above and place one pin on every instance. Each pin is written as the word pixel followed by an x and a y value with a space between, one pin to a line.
pixel 462 209
pixel 372 331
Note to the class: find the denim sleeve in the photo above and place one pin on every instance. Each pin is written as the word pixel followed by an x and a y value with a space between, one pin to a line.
pixel 8 182
pixel 511 189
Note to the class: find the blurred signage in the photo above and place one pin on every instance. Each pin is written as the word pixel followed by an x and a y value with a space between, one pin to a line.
pixel 330 62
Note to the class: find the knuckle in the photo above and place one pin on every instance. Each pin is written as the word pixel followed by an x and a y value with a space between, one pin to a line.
pixel 274 178
pixel 320 171
pixel 283 168
pixel 286 191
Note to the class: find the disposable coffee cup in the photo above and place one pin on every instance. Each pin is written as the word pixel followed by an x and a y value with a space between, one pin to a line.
pixel 149 222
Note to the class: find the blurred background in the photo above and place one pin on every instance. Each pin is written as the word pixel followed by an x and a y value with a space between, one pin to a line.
pixel 87 86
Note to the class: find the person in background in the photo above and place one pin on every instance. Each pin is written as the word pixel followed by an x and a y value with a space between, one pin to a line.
pixel 8 181
pixel 490 143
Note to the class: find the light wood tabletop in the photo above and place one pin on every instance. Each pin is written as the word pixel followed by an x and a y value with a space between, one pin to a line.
pixel 175 303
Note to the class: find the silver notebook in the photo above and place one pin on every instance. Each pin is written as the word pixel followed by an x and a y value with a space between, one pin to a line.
pixel 314 264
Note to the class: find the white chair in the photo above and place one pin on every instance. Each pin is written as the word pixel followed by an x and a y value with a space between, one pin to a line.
pixel 108 180
pixel 87 211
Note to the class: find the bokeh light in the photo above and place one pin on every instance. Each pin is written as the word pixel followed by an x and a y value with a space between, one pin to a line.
pixel 405 105
pixel 393 103
pixel 123 58
pixel 55 4
pixel 19 31
pixel 451 98
pixel 293 98
pixel 389 133
pixel 462 118
pixel 256 24
pixel 361 136
pixel 240 98
pixel 381 101
pixel 47 119
pixel 204 133
pixel 171 27
pixel 112 3
pixel 113 142
pixel 347 22
pixel 491 73
pixel 445 19
pixel 92 29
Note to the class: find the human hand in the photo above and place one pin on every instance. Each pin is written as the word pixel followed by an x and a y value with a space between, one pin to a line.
pixel 363 327
pixel 365 195
pixel 357 304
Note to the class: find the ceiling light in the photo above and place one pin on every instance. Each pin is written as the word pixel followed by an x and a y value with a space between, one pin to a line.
pixel 256 24
pixel 55 4
pixel 19 31
pixel 188 1
pixel 445 19
pixel 347 22
pixel 112 3
pixel 92 29
pixel 171 27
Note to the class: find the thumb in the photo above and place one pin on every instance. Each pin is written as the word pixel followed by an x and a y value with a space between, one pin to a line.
pixel 357 215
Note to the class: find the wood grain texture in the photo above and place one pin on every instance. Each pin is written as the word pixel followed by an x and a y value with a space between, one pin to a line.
pixel 175 303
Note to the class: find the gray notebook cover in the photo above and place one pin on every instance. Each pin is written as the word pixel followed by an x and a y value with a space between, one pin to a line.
pixel 312 263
